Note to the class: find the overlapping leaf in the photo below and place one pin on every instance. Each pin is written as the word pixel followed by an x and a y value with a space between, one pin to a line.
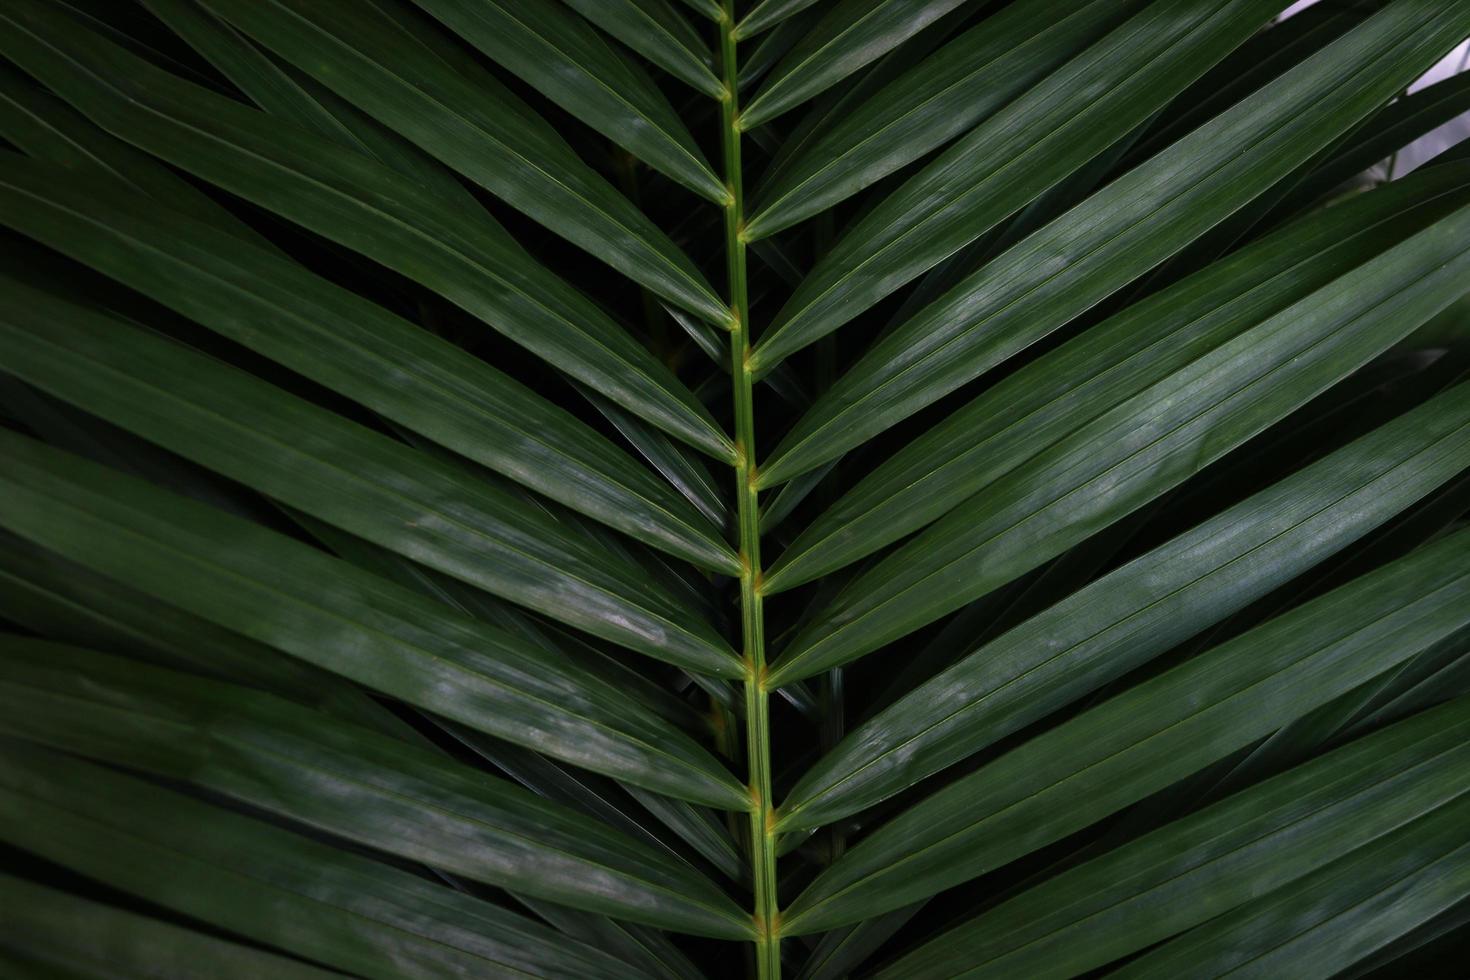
pixel 475 125
pixel 346 474
pixel 943 96
pixel 379 791
pixel 322 610
pixel 431 236
pixel 1094 100
pixel 356 348
pixel 1139 611
pixel 45 929
pixel 1398 793
pixel 1147 737
pixel 267 883
pixel 1143 447
pixel 563 57
pixel 849 35
pixel 1099 246
pixel 1018 418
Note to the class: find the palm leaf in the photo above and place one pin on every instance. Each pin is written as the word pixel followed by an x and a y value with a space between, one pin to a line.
pixel 621 488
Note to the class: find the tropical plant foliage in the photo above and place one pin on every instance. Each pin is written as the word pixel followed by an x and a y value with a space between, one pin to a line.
pixel 679 488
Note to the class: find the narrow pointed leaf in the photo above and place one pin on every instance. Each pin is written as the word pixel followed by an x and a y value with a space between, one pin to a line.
pixel 945 95
pixel 1117 234
pixel 850 34
pixel 1319 926
pixel 346 474
pixel 64 601
pixel 1139 611
pixel 767 14
pixel 432 238
pixel 1020 416
pixel 1091 102
pixel 1394 128
pixel 81 938
pixel 684 472
pixel 477 604
pixel 477 127
pixel 408 801
pixel 1147 737
pixel 290 596
pixel 1145 446
pixel 351 345
pixel 564 58
pixel 1379 793
pixel 266 883
pixel 45 128
pixel 292 97
pixel 661 34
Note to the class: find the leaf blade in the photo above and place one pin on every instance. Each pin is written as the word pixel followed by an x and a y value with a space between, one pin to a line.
pixel 322 610
pixel 1114 236
pixel 1148 737
pixel 1221 400
pixel 1139 611
pixel 247 876
pixel 378 791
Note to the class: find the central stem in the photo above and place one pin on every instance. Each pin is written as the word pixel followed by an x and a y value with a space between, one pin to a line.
pixel 757 702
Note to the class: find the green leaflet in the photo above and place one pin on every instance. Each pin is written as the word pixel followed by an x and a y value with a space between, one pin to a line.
pixel 1052 130
pixel 1104 243
pixel 477 604
pixel 564 58
pixel 945 95
pixel 1400 792
pixel 849 35
pixel 477 127
pixel 443 241
pixel 1147 737
pixel 435 512
pixel 1143 447
pixel 1340 915
pixel 1139 611
pixel 266 883
pixel 290 596
pixel 291 96
pixel 351 345
pixel 45 128
pixel 1021 416
pixel 381 611
pixel 81 938
pixel 767 14
pixel 379 791
pixel 659 33
pixel 62 600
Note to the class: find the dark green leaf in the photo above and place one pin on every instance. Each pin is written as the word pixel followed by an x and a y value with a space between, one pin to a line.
pixel 322 610
pixel 1101 245
pixel 659 33
pixel 476 126
pixel 1012 157
pixel 382 792
pixel 1148 737
pixel 85 939
pixel 1139 611
pixel 849 35
pixel 266 883
pixel 431 237
pixel 566 60
pixel 345 474
pixel 1386 796
pixel 945 95
pixel 1143 447
pixel 1019 417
